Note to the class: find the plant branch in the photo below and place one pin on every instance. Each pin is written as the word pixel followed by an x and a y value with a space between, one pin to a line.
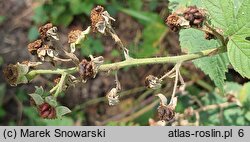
pixel 132 62
pixel 60 84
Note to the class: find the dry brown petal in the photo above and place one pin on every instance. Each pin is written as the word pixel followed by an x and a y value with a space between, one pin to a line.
pixel 73 36
pixel 34 46
pixel 11 74
pixel 96 17
pixel 43 30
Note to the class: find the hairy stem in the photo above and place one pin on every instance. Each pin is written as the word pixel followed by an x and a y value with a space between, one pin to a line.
pixel 131 62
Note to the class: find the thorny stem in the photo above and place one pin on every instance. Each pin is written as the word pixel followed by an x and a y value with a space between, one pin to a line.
pixel 218 35
pixel 131 62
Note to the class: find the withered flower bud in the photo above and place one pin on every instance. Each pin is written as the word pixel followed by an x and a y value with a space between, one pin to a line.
pixel 100 19
pixel 43 30
pixel 175 22
pixel 209 36
pixel 48 31
pixel 195 16
pixel 46 111
pixel 15 74
pixel 96 16
pixel 34 46
pixel 75 36
pixel 86 69
pixel 172 22
pixel 113 97
pixel 166 113
pixel 89 69
pixel 152 82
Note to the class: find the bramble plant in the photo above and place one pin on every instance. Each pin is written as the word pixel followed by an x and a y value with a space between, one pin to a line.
pixel 215 34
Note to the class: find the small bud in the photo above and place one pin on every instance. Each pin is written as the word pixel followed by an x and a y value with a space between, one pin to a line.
pixel 166 113
pixel 15 74
pixel 152 82
pixel 113 97
pixel 46 111
pixel 195 16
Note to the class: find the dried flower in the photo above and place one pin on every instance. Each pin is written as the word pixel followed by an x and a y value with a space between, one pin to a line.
pixel 113 97
pixel 46 111
pixel 175 22
pixel 152 82
pixel 194 15
pixel 47 32
pixel 75 36
pixel 100 19
pixel 86 69
pixel 34 46
pixel 89 69
pixel 15 74
pixel 46 51
pixel 166 112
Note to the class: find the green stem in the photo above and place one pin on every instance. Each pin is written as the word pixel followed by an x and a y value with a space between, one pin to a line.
pixel 60 85
pixel 132 62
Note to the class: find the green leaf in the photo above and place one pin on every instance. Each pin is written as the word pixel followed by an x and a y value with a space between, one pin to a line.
pixel 151 36
pixel 247 115
pixel 39 90
pixel 33 33
pixel 232 17
pixel 244 95
pixel 51 100
pixel 37 98
pixel 62 110
pixel 214 66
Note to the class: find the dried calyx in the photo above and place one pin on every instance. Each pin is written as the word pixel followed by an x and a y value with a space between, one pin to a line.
pixel 191 17
pixel 153 82
pixel 166 112
pixel 16 74
pixel 89 69
pixel 41 47
pixel 75 36
pixel 100 19
pixel 48 32
pixel 113 94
